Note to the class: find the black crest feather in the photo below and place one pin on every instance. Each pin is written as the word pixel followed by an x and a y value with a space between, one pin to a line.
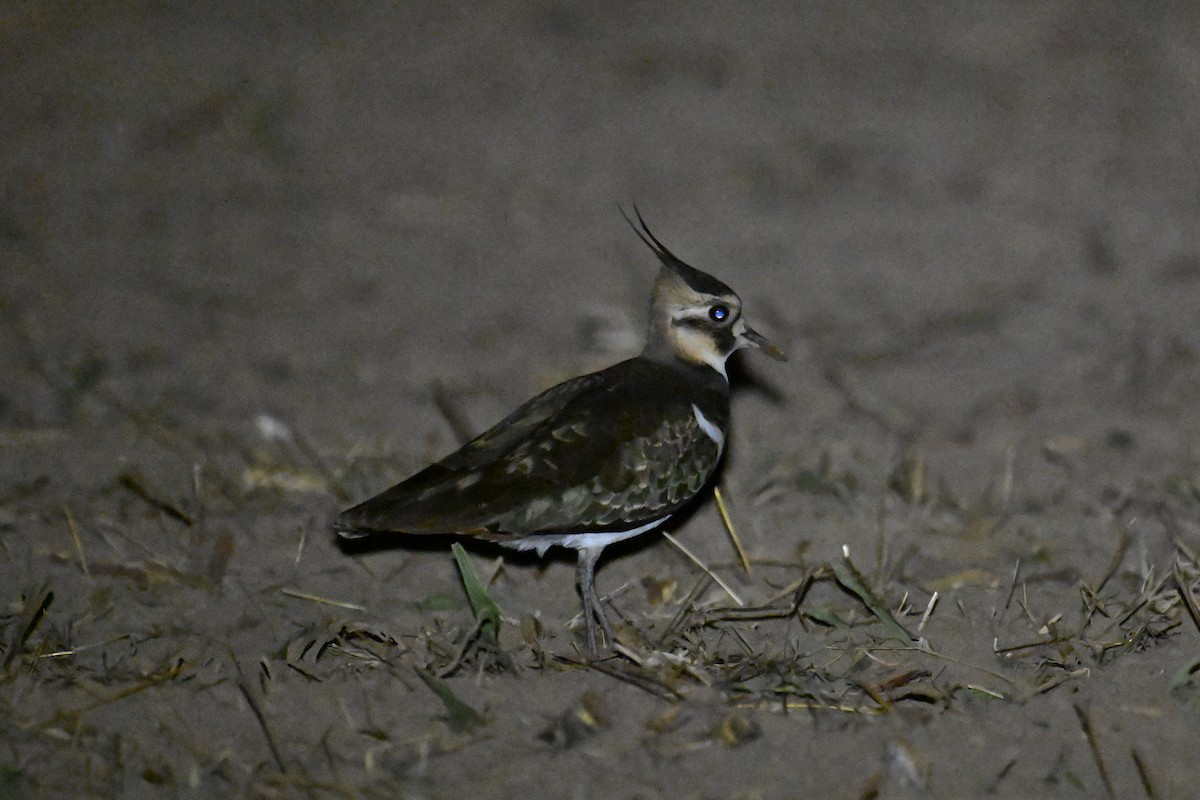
pixel 698 281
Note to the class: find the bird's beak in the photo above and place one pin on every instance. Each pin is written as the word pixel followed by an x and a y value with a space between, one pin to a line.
pixel 756 339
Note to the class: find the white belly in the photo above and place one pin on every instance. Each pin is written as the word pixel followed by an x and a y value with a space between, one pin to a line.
pixel 580 541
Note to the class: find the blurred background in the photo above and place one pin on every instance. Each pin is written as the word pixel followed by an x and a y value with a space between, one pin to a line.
pixel 219 210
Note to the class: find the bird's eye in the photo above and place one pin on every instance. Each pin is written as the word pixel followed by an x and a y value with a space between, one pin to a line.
pixel 719 312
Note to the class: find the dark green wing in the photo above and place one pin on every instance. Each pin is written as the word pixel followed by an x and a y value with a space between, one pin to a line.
pixel 632 463
pixel 603 451
pixel 411 505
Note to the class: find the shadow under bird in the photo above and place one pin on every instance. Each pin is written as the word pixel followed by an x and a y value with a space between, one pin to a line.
pixel 596 459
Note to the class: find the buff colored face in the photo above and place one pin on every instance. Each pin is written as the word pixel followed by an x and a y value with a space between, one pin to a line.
pixel 706 328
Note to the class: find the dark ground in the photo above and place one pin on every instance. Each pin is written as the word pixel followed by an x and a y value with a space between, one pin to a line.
pixel 242 249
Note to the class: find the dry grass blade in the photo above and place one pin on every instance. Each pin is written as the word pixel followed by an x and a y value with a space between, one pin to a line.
pixel 1115 563
pixel 928 612
pixel 262 724
pixel 1000 776
pixel 300 545
pixel 688 603
pixel 136 485
pixel 733 534
pixel 1058 680
pixel 1185 592
pixel 751 614
pixel 149 682
pixel 1016 648
pixel 951 660
pixel 636 676
pixel 808 705
pixel 1012 586
pixel 83 648
pixel 312 598
pixel 36 606
pixel 1091 596
pixel 1149 592
pixel 83 564
pixel 798 588
pixel 1086 724
pixel 1143 774
pixel 884 704
pixel 695 560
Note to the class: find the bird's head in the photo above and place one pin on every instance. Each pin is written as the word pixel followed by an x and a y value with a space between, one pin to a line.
pixel 694 316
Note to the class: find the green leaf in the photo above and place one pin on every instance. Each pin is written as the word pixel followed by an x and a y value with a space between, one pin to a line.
pixel 461 716
pixel 1184 676
pixel 852 581
pixel 486 612
pixel 826 616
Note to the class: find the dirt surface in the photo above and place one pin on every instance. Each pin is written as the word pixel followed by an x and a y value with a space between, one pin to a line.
pixel 254 258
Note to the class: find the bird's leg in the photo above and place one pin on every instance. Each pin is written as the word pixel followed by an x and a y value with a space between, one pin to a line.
pixel 593 611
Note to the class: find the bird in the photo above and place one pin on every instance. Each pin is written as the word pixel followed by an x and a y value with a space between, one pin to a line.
pixel 596 459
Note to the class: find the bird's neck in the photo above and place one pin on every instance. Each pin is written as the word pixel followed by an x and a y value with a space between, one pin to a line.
pixel 686 347
pixel 705 370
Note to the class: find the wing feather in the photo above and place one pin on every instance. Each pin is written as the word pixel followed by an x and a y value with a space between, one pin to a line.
pixel 607 449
